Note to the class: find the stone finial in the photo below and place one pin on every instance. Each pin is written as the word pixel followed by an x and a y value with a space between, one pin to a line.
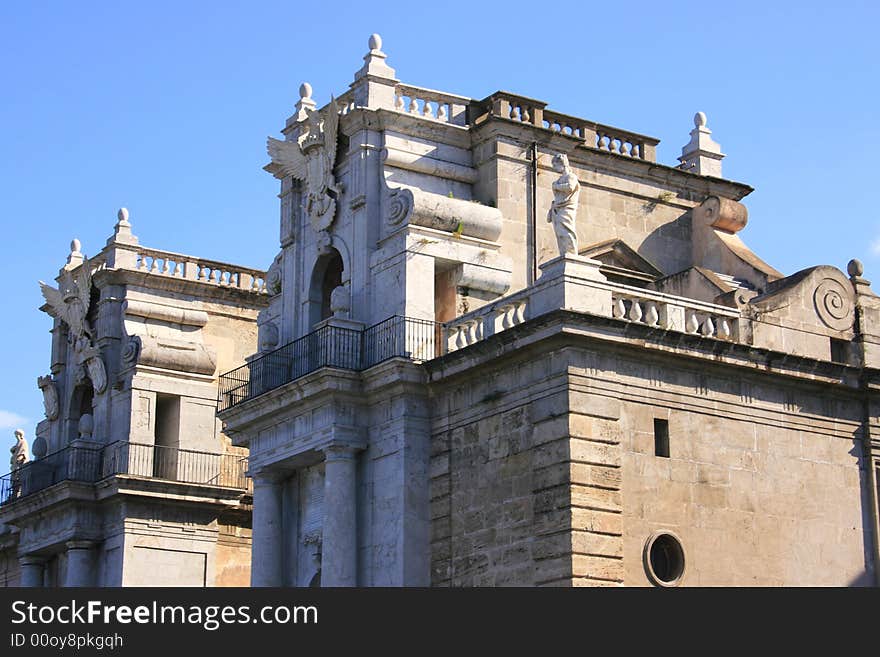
pixel 375 81
pixel 122 230
pixel 701 154
pixel 340 301
pixel 75 258
pixel 855 268
pixel 305 104
pixel 85 426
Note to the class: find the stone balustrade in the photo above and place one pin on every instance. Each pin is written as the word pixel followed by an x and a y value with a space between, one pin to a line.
pixel 570 125
pixel 594 135
pixel 630 304
pixel 430 104
pixel 345 103
pixel 669 312
pixel 493 318
pixel 175 265
pixel 625 143
pixel 517 108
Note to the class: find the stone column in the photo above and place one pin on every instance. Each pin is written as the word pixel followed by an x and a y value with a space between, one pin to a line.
pixel 267 536
pixel 339 535
pixel 31 571
pixel 79 564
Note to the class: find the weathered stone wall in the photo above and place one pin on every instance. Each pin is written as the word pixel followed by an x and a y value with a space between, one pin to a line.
pixel 523 491
pixel 651 216
pixel 543 471
pixel 9 569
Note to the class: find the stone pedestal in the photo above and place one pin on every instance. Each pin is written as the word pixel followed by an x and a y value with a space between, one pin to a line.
pixel 79 564
pixel 339 549
pixel 268 538
pixel 31 571
pixel 570 282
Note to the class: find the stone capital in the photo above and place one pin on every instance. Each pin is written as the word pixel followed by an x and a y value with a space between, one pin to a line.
pixel 80 545
pixel 338 452
pixel 31 560
pixel 268 477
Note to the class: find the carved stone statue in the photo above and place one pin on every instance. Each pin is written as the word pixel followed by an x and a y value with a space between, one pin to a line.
pixel 563 211
pixel 20 452
pixel 70 303
pixel 311 158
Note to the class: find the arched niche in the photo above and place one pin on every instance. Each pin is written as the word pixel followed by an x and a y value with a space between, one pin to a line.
pixel 327 274
pixel 81 403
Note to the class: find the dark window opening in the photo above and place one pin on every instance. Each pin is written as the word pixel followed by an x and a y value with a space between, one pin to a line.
pixel 661 438
pixel 167 436
pixel 839 350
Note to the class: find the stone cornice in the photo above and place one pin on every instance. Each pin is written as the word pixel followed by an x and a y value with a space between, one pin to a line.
pixel 581 155
pixel 305 393
pixel 561 327
pixel 200 290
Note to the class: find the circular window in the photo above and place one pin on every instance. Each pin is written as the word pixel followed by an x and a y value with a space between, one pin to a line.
pixel 664 559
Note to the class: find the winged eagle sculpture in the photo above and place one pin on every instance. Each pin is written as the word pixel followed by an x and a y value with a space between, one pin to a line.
pixel 311 159
pixel 70 303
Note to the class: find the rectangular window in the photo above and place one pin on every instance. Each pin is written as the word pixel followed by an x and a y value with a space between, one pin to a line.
pixel 839 350
pixel 661 438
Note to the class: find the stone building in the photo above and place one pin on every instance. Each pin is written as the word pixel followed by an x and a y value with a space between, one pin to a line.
pixel 486 364
pixel 133 482
pixel 500 345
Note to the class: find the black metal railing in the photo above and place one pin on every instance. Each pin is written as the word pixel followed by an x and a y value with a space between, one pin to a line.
pixel 92 464
pixel 330 346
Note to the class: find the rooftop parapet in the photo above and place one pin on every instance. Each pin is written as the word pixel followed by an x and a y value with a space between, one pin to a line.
pixel 123 251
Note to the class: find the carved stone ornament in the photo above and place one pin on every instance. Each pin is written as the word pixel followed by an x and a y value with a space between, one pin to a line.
pixel 563 210
pixel 268 337
pixel 274 277
pixel 96 370
pixel 131 351
pixel 340 301
pixel 833 304
pixel 311 159
pixel 50 396
pixel 70 304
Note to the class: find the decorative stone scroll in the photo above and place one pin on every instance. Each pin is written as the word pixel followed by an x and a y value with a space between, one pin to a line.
pixel 462 217
pixel 833 304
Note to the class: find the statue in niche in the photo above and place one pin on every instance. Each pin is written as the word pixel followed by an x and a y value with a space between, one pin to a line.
pixel 311 159
pixel 70 303
pixel 563 211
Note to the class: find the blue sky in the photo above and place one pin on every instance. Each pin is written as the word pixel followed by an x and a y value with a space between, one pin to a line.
pixel 164 107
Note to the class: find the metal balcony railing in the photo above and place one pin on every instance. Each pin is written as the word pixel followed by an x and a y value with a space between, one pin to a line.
pixel 92 464
pixel 330 346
